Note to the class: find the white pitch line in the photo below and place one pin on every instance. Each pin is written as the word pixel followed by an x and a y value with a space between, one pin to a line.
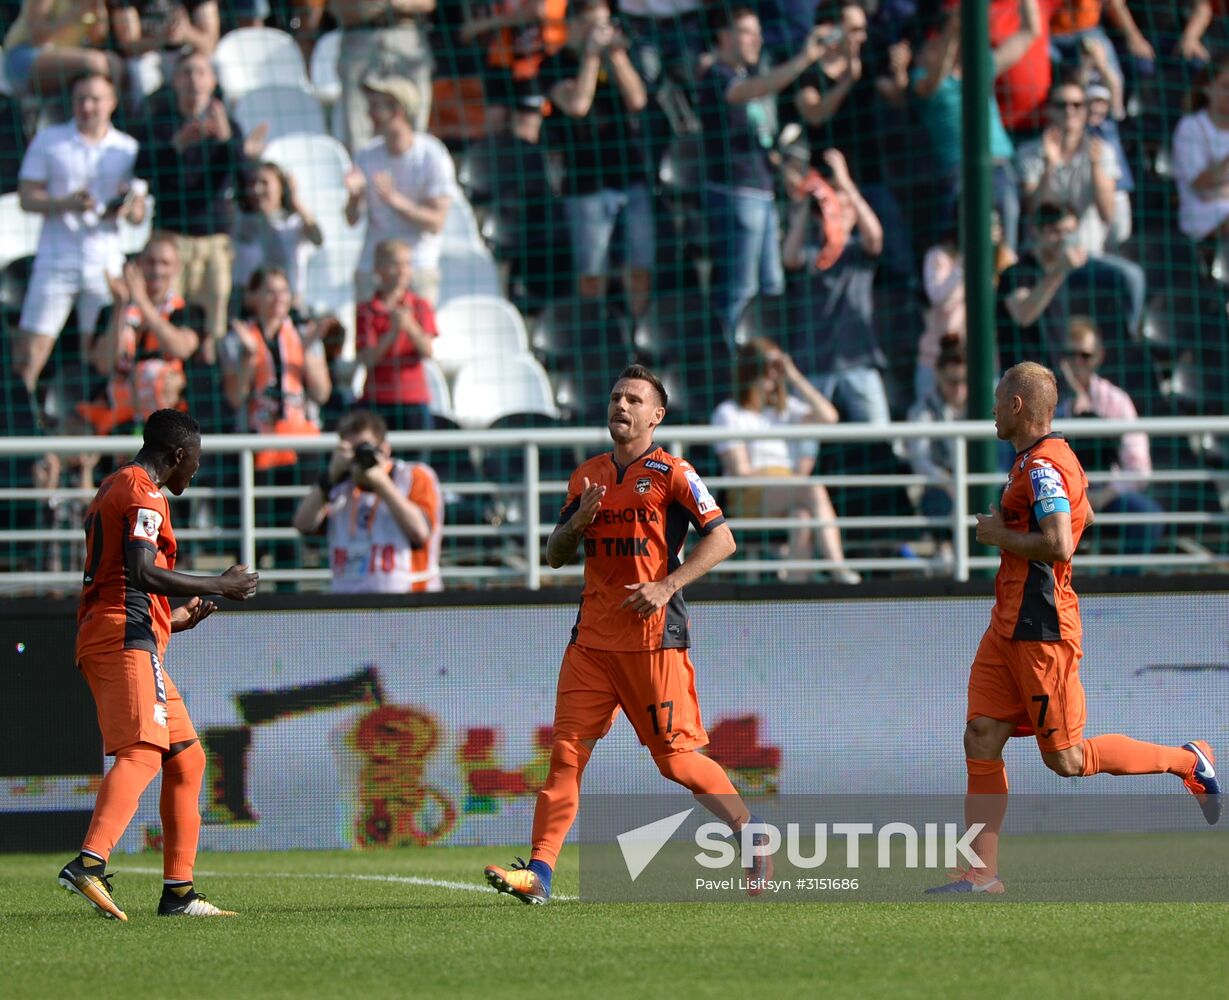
pixel 434 883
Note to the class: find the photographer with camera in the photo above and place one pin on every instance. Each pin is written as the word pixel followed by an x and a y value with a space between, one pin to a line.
pixel 384 515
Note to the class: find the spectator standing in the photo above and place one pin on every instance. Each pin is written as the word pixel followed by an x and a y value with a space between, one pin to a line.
pixel 946 400
pixel 846 105
pixel 52 42
pixel 1075 21
pixel 143 339
pixel 1201 157
pixel 1020 91
pixel 274 375
pixel 833 245
pixel 518 35
pixel 276 230
pixel 1091 395
pixel 599 97
pixel 384 515
pixel 194 155
pixel 79 177
pixel 765 375
pixel 395 331
pixel 1036 294
pixel 381 38
pixel 734 101
pixel 937 85
pixel 169 28
pixel 405 180
pixel 1069 165
pixel 943 279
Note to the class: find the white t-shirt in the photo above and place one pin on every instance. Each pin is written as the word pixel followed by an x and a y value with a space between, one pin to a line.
pixel 765 453
pixel 63 160
pixel 1071 184
pixel 1198 143
pixel 422 172
pixel 295 250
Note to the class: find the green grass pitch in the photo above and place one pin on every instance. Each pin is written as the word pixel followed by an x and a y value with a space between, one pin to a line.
pixel 370 925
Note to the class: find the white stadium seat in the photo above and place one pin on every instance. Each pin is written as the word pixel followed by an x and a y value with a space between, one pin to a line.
pixel 21 230
pixel 460 225
pixel 467 270
pixel 319 164
pixel 487 390
pixel 437 384
pixel 286 110
pixel 478 328
pixel 250 59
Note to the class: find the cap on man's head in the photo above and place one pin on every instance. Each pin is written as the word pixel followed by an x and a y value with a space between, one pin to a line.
pixel 399 89
pixel 1097 92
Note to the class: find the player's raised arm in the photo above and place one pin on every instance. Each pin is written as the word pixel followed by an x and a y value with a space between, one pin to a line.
pixel 561 546
pixel 236 584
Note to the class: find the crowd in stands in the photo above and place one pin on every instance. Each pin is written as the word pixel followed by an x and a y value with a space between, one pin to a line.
pixel 760 199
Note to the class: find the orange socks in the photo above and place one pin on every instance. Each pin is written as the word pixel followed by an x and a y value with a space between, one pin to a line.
pixel 1114 754
pixel 986 802
pixel 559 799
pixel 180 808
pixel 134 768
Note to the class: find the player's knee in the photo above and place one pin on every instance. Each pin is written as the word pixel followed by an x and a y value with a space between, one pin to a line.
pixel 981 739
pixel 570 755
pixel 188 760
pixel 1065 763
pixel 676 767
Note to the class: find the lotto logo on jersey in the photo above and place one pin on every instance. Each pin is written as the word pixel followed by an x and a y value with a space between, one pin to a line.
pixel 147 524
pixel 1047 483
pixel 704 499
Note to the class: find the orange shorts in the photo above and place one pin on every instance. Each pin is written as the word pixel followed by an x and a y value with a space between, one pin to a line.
pixel 1036 685
pixel 655 687
pixel 136 699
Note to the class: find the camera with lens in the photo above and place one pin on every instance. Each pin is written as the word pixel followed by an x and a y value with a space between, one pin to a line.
pixel 366 456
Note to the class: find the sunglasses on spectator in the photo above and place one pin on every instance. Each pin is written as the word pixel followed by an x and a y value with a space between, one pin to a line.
pixel 1078 105
pixel 1071 352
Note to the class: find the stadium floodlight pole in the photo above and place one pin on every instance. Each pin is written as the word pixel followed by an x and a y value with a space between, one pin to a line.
pixel 975 65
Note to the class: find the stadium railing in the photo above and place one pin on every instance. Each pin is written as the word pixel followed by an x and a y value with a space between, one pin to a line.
pixel 521 536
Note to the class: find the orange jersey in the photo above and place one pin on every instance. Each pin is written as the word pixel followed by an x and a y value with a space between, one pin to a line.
pixel 128 511
pixel 636 538
pixel 1070 16
pixel 1034 600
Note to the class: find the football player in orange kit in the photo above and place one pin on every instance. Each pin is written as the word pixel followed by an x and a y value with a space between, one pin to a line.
pixel 632 508
pixel 123 624
pixel 1025 677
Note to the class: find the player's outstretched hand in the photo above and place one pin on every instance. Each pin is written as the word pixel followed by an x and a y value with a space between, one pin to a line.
pixel 646 599
pixel 590 500
pixel 990 526
pixel 191 614
pixel 237 584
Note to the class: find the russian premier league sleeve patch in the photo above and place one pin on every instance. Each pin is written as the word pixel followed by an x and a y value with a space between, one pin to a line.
pixel 704 499
pixel 146 524
pixel 1049 491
